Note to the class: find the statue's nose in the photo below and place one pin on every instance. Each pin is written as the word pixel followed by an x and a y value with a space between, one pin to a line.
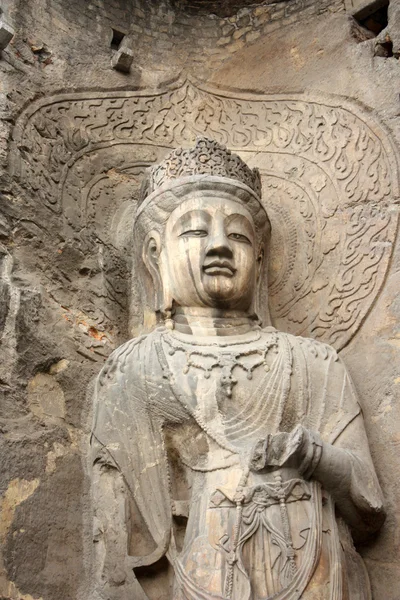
pixel 219 244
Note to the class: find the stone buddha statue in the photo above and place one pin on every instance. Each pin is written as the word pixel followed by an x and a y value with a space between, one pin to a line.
pixel 230 460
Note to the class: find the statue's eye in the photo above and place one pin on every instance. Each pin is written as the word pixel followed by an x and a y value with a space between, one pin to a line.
pixel 239 238
pixel 194 233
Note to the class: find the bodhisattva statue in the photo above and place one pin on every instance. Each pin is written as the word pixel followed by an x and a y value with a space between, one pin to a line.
pixel 230 460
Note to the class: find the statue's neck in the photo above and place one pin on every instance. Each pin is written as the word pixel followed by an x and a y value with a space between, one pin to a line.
pixel 212 322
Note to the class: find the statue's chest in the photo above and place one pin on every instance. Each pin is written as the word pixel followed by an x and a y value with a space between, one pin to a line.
pixel 237 391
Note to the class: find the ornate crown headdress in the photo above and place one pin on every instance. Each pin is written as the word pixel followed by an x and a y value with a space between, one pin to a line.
pixel 207 167
pixel 206 157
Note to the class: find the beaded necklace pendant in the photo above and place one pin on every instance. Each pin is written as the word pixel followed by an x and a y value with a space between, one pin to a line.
pixel 225 356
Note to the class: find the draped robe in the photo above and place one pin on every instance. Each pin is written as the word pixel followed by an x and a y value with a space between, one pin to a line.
pixel 178 441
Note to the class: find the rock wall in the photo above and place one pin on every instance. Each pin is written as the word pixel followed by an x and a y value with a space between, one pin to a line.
pixel 66 188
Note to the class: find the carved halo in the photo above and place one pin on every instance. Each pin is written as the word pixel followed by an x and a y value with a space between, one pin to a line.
pixel 328 168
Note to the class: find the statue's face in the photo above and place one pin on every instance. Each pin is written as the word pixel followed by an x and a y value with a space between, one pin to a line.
pixel 209 254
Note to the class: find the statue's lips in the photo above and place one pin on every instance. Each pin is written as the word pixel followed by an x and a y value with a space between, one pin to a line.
pixel 217 267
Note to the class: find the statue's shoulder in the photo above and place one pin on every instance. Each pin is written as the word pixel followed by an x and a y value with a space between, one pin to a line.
pixel 127 355
pixel 309 346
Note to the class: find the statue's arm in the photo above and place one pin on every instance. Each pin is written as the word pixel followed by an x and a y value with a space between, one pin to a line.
pixel 113 575
pixel 344 467
pixel 112 564
pixel 345 470
pixel 130 493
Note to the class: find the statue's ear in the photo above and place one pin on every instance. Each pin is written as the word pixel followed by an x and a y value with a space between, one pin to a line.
pixel 151 254
pixel 260 263
pixel 256 308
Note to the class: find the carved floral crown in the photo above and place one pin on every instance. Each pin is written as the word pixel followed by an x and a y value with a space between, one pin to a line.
pixel 206 157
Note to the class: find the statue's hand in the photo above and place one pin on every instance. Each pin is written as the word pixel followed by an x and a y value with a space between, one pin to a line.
pixel 299 449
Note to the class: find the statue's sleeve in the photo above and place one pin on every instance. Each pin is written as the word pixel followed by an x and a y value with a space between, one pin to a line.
pixel 351 473
pixel 132 508
pixel 365 491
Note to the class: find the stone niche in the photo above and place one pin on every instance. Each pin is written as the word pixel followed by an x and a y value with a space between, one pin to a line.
pixel 297 89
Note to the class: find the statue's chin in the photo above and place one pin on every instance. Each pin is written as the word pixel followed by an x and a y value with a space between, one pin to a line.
pixel 220 296
pixel 214 291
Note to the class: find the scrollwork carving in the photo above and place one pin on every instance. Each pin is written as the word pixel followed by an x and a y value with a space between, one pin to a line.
pixel 329 176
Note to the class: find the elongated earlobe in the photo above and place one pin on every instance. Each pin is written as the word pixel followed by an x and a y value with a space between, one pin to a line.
pixel 260 263
pixel 256 299
pixel 150 255
pixel 161 293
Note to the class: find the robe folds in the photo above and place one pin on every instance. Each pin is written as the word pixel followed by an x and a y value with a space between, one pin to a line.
pixel 170 449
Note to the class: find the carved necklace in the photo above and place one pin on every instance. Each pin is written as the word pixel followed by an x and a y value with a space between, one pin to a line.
pixel 205 358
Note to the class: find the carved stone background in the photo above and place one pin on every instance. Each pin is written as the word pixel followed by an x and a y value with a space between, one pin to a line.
pixel 330 181
pixel 65 285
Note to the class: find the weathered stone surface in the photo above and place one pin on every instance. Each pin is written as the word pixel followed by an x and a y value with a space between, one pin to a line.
pixel 122 60
pixel 6 34
pixel 66 294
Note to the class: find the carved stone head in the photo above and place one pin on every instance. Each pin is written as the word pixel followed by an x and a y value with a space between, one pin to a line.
pixel 201 230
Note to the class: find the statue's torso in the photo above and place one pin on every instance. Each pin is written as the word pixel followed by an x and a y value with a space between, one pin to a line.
pixel 236 394
pixel 180 416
